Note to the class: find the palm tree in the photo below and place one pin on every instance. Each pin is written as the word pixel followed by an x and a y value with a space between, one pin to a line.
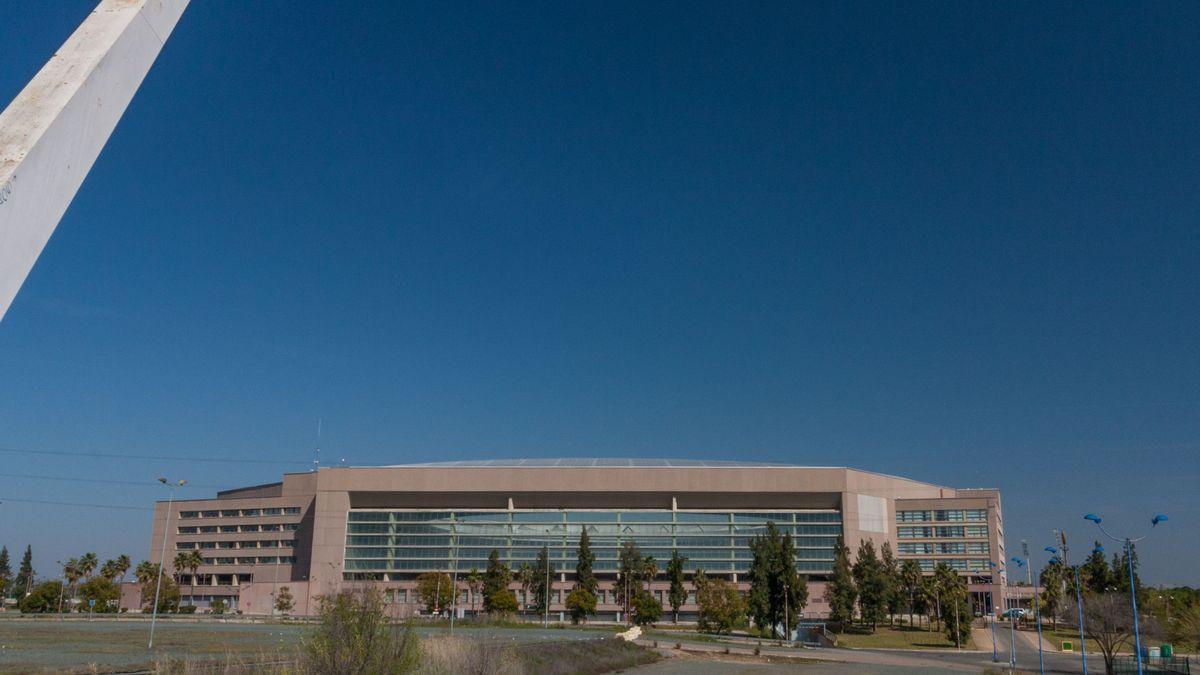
pixel 114 571
pixel 121 567
pixel 145 572
pixel 87 565
pixel 72 574
pixel 194 561
pixel 528 578
pixel 184 560
pixel 474 583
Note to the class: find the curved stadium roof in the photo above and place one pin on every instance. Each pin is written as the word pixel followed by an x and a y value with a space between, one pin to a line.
pixel 597 462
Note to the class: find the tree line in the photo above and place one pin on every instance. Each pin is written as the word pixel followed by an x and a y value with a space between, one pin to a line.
pixel 87 585
pixel 1104 588
pixel 875 586
pixel 777 596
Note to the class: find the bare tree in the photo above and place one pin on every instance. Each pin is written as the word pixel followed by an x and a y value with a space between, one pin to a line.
pixel 1109 621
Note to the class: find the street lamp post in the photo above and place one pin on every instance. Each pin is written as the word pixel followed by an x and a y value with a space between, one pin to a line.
pixel 992 623
pixel 454 584
pixel 546 607
pixel 1128 542
pixel 1037 610
pixel 786 628
pixel 162 558
pixel 61 587
pixel 1078 596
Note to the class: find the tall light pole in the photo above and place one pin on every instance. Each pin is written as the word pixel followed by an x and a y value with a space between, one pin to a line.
pixel 1078 596
pixel 786 597
pixel 1128 544
pixel 454 581
pixel 1012 625
pixel 995 651
pixel 546 607
pixel 162 558
pixel 62 587
pixel 1037 608
pixel 275 586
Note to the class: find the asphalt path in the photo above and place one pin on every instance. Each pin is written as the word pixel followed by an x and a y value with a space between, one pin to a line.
pixel 700 656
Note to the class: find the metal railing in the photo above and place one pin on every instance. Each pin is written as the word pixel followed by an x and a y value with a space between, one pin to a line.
pixel 1153 664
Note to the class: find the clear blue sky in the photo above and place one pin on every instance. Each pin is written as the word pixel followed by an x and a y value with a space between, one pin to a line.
pixel 956 242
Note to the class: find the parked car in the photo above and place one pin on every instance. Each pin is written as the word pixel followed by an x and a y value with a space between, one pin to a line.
pixel 1015 613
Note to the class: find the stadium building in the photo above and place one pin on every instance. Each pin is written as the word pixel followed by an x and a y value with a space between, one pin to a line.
pixel 340 528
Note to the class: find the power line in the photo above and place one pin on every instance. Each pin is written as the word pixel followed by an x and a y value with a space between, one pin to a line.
pixel 80 504
pixel 143 483
pixel 169 458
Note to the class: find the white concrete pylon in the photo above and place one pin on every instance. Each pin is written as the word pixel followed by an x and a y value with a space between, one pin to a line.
pixel 52 132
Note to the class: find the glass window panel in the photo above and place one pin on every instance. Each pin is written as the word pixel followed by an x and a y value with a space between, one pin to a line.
pixel 591 517
pixel 538 517
pixel 685 517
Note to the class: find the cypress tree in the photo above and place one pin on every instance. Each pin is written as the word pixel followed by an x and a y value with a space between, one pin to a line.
pixel 777 591
pixel 759 601
pixel 677 595
pixel 1095 574
pixel 840 592
pixel 1121 571
pixel 495 579
pixel 869 578
pixel 541 587
pixel 796 588
pixel 25 573
pixel 894 595
pixel 5 572
pixel 585 578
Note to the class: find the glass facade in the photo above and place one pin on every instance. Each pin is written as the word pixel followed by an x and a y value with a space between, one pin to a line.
pixel 942 515
pixel 395 541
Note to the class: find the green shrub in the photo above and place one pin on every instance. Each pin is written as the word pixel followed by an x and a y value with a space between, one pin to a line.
pixel 43 598
pixel 355 637
pixel 502 603
pixel 168 599
pixel 581 603
pixel 722 608
pixel 648 610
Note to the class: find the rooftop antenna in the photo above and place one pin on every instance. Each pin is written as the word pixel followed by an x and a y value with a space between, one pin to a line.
pixel 317 459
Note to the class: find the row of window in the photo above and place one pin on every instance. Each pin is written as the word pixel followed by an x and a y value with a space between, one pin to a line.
pixel 213 579
pixel 387 541
pixel 573 530
pixel 608 517
pixel 237 529
pixel 448 564
pixel 603 597
pixel 481 554
pixel 943 548
pixel 252 560
pixel 568 543
pixel 956 564
pixel 242 513
pixel 946 515
pixel 263 543
pixel 942 531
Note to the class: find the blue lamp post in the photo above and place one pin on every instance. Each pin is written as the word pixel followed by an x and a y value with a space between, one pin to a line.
pixel 1078 596
pixel 1128 542
pixel 1037 612
pixel 995 654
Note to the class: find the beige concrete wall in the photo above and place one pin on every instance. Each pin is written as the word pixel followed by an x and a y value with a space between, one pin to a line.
pixel 868 502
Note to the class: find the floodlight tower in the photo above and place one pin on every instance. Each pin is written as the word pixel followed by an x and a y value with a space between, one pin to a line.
pixel 52 132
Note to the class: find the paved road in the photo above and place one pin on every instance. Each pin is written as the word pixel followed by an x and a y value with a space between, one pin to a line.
pixel 707 657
